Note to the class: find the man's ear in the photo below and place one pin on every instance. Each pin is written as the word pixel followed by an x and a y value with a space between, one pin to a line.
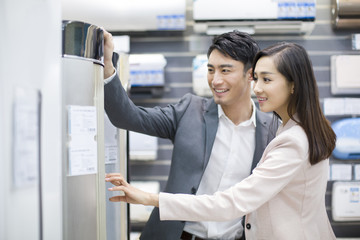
pixel 249 74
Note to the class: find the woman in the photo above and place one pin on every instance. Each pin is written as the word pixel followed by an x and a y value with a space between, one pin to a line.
pixel 284 197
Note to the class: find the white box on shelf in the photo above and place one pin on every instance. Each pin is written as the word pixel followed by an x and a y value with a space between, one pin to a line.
pixel 346 201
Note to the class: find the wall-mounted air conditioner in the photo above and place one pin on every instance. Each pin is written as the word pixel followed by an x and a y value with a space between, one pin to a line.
pixel 128 15
pixel 254 17
pixel 345 14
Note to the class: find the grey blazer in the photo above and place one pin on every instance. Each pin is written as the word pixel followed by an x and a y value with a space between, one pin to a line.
pixel 191 125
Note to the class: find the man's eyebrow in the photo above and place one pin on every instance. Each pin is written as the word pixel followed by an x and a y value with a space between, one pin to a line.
pixel 226 65
pixel 222 65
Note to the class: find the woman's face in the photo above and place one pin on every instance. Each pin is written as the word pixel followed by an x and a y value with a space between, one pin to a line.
pixel 271 88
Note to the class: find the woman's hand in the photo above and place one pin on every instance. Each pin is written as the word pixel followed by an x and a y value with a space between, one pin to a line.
pixel 132 194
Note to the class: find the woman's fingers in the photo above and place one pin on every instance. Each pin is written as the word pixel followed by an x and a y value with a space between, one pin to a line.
pixel 113 174
pixel 117 188
pixel 116 179
pixel 118 199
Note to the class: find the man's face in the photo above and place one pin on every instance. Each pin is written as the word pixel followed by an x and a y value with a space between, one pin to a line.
pixel 227 80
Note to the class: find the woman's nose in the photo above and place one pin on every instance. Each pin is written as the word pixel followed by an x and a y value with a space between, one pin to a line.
pixel 256 87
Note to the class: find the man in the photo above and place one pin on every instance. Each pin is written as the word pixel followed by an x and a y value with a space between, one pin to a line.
pixel 217 141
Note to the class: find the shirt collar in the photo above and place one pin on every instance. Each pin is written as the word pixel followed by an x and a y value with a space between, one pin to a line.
pixel 248 122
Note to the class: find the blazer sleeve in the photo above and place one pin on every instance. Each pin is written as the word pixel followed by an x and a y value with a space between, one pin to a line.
pixel 284 157
pixel 123 113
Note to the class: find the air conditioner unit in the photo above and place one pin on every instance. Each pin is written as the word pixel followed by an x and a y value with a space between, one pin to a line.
pixel 346 201
pixel 128 15
pixel 258 17
pixel 345 14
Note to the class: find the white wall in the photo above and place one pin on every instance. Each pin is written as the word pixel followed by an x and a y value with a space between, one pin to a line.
pixel 30 47
pixel 2 147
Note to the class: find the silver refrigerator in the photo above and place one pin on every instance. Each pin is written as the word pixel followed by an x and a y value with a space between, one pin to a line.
pixel 91 145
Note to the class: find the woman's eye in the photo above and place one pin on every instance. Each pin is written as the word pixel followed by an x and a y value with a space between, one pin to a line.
pixel 267 80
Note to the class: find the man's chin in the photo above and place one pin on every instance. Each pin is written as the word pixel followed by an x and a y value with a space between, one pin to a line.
pixel 218 100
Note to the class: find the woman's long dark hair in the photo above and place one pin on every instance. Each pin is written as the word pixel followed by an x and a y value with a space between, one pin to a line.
pixel 293 62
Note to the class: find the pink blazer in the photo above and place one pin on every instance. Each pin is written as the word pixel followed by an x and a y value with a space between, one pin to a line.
pixel 284 197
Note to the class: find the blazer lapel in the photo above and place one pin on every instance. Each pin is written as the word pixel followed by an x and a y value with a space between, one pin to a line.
pixel 211 126
pixel 262 137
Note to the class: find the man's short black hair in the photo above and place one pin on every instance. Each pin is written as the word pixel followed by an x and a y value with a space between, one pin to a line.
pixel 239 46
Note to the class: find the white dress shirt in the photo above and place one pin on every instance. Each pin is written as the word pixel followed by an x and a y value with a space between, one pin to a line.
pixel 230 162
pixel 107 80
